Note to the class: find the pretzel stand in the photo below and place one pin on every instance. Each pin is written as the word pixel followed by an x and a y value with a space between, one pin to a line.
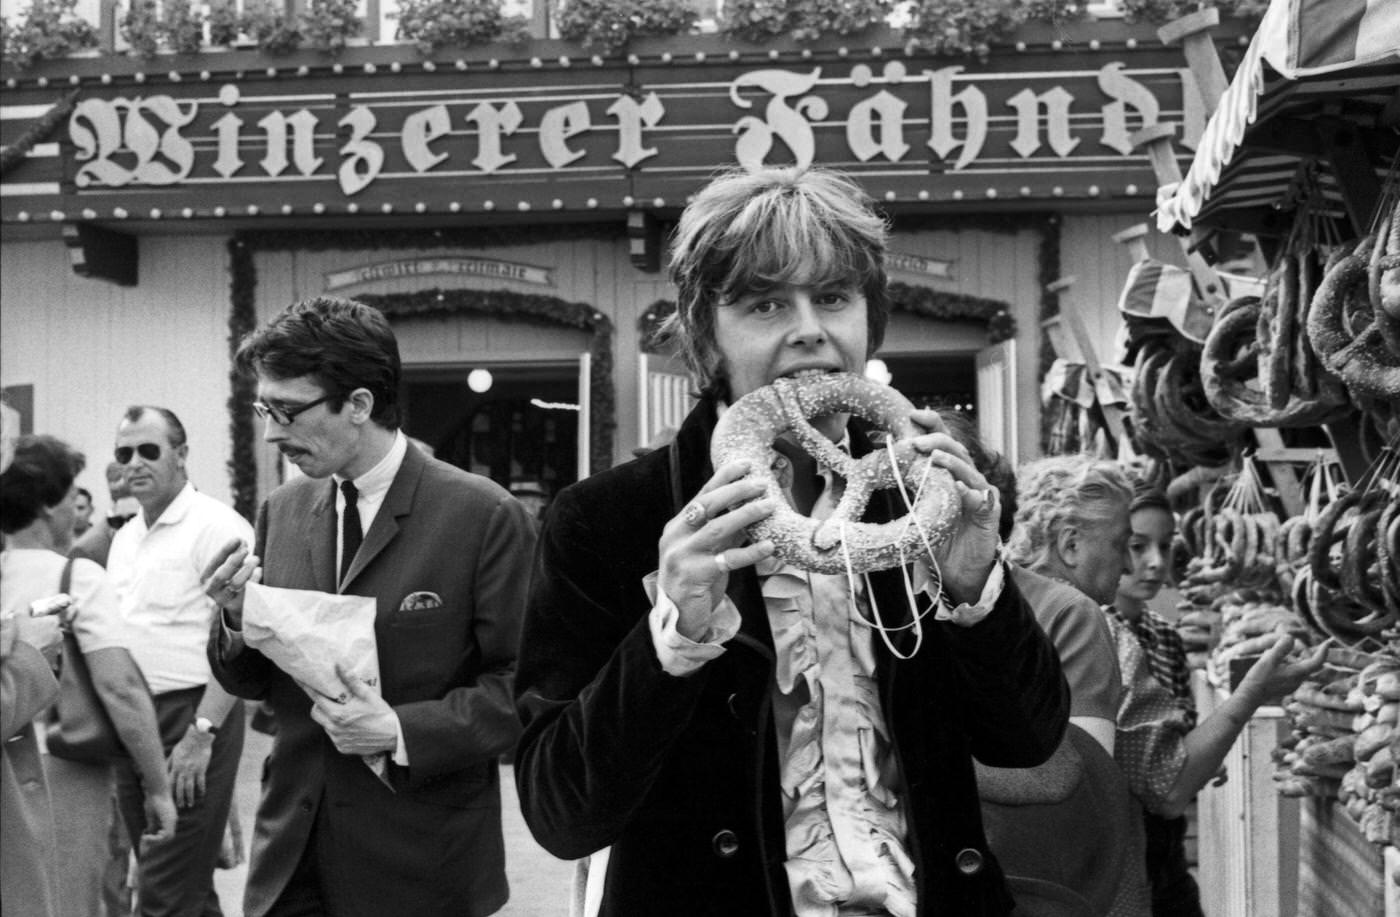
pixel 1289 393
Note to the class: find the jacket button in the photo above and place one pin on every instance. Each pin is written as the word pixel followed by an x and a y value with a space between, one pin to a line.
pixel 725 843
pixel 969 861
pixel 306 806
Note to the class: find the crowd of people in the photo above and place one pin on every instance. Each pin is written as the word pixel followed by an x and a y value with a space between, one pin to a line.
pixel 1002 727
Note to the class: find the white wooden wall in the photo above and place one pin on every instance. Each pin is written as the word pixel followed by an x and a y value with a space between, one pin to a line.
pixel 91 348
pixel 1100 267
pixel 1003 266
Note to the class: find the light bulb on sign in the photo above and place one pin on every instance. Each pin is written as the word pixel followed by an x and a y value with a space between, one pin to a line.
pixel 877 371
pixel 479 380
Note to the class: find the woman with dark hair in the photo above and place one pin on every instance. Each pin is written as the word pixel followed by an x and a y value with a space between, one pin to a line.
pixel 1166 756
pixel 727 722
pixel 37 510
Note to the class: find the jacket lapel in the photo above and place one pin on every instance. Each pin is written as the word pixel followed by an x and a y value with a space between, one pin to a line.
pixel 398 502
pixel 320 541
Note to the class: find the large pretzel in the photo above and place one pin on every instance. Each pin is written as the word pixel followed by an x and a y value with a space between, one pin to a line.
pixel 840 542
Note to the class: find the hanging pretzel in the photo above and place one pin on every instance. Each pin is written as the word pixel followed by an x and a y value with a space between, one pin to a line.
pixel 1232 339
pixel 747 430
pixel 1345 331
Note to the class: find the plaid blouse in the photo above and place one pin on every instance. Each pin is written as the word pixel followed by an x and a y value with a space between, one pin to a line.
pixel 1165 654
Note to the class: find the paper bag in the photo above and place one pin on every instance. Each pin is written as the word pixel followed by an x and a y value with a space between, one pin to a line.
pixel 305 633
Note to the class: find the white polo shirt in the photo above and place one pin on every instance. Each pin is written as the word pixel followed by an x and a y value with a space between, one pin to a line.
pixel 155 572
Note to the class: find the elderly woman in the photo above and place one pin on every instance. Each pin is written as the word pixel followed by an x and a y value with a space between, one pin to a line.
pixel 36 514
pixel 1067 831
pixel 726 721
pixel 1167 757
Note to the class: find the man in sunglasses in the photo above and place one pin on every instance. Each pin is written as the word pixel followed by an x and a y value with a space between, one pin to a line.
pixel 155 564
pixel 446 555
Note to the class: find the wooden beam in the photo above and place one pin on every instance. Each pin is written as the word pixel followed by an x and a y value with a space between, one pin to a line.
pixel 1193 31
pixel 1134 238
pixel 1157 139
pixel 1285 477
pixel 1104 394
pixel 1345 436
pixel 1351 165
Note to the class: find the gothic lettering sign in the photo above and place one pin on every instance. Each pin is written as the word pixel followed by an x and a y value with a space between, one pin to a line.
pixel 605 136
pixel 488 268
pixel 918 264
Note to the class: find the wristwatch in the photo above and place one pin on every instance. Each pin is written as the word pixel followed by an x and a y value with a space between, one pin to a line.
pixel 205 726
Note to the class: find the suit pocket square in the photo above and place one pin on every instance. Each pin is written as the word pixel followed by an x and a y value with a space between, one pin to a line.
pixel 421 601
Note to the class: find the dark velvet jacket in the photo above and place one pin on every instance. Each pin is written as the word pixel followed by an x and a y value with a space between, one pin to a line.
pixel 679 775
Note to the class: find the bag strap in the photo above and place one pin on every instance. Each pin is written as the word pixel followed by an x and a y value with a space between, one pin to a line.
pixel 65 582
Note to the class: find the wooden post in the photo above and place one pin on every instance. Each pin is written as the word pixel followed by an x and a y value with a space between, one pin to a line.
pixel 1134 238
pixel 1104 393
pixel 1351 164
pixel 372 22
pixel 107 27
pixel 1193 31
pixel 1157 139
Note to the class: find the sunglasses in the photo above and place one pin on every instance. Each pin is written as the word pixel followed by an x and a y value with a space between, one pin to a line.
pixel 148 451
pixel 282 415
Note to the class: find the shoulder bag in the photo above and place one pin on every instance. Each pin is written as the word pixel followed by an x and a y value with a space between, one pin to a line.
pixel 82 729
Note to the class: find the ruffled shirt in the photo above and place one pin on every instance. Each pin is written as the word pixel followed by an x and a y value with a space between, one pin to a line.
pixel 843 811
pixel 842 808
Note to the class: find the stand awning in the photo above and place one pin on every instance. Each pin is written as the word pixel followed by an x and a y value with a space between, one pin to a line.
pixel 1318 76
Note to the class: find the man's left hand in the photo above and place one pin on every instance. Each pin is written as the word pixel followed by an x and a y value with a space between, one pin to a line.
pixel 363 725
pixel 967 557
pixel 189 760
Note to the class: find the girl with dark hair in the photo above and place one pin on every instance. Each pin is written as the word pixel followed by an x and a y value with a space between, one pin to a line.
pixel 1166 755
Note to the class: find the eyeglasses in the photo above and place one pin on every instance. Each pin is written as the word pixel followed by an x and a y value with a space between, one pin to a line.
pixel 148 451
pixel 284 416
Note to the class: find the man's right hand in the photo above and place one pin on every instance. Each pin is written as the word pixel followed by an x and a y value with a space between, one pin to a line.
pixel 161 816
pixel 232 568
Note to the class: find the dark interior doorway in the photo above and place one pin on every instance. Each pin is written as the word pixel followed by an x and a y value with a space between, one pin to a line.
pixel 945 382
pixel 522 429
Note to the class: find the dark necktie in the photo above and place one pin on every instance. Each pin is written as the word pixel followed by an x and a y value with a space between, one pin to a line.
pixel 351 536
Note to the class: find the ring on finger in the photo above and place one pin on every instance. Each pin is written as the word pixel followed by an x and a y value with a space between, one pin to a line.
pixel 694 514
pixel 721 562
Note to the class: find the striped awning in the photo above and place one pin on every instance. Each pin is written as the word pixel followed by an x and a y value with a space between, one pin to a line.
pixel 1266 144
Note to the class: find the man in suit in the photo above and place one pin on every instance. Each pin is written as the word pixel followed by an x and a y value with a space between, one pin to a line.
pixel 446 555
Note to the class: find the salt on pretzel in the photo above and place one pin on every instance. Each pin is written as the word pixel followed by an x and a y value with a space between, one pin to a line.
pixel 840 543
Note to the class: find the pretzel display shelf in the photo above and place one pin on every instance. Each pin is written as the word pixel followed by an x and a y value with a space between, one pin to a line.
pixel 841 543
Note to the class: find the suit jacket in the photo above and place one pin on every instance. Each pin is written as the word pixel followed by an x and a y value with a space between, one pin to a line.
pixel 433 845
pixel 28 855
pixel 679 775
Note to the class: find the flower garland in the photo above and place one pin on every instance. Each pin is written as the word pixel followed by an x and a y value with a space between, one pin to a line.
pixel 242 318
pixel 1049 263
pixel 502 304
pixel 50 28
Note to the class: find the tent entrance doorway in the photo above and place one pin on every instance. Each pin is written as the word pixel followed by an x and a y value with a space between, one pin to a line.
pixel 511 422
